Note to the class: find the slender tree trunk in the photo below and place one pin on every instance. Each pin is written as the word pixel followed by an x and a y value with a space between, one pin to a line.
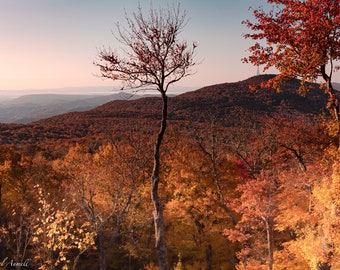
pixel 75 262
pixel 327 246
pixel 76 259
pixel 0 197
pixel 270 243
pixel 102 259
pixel 209 255
pixel 158 218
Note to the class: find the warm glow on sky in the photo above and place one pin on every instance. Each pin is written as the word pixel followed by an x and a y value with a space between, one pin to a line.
pixel 52 43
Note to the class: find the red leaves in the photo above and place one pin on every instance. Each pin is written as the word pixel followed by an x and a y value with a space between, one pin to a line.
pixel 300 36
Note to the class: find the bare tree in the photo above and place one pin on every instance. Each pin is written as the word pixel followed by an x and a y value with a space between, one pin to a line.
pixel 153 57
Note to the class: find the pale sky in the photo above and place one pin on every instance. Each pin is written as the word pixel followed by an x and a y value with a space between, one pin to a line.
pixel 53 43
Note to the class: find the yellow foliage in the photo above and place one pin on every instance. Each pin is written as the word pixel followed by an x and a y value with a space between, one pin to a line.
pixel 284 259
pixel 317 229
pixel 332 128
pixel 55 230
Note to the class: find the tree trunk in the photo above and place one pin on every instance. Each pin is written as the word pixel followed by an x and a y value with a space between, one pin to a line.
pixel 270 243
pixel 0 197
pixel 209 255
pixel 333 101
pixel 333 104
pixel 102 259
pixel 158 218
pixel 327 246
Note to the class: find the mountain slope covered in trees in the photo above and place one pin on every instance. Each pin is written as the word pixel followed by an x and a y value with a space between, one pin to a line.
pixel 74 188
pixel 227 101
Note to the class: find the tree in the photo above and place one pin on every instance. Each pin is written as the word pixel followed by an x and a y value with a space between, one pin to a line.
pixel 202 177
pixel 106 187
pixel 56 235
pixel 313 215
pixel 16 205
pixel 278 154
pixel 154 58
pixel 302 40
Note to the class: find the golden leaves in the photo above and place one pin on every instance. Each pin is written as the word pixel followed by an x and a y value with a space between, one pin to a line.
pixel 56 234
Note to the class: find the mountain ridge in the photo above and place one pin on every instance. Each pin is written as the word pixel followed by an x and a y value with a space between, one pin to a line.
pixel 226 101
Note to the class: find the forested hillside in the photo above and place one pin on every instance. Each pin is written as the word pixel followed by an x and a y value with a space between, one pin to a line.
pixel 226 101
pixel 249 176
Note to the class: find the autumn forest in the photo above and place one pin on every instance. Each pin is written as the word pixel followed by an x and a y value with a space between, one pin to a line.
pixel 242 175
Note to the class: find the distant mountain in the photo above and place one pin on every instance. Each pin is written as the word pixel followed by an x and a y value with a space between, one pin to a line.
pixel 229 103
pixel 29 108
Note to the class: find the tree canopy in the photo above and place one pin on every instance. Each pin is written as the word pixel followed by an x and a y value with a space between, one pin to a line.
pixel 301 39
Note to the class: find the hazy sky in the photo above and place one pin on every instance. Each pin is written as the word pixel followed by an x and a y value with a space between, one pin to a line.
pixel 52 43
